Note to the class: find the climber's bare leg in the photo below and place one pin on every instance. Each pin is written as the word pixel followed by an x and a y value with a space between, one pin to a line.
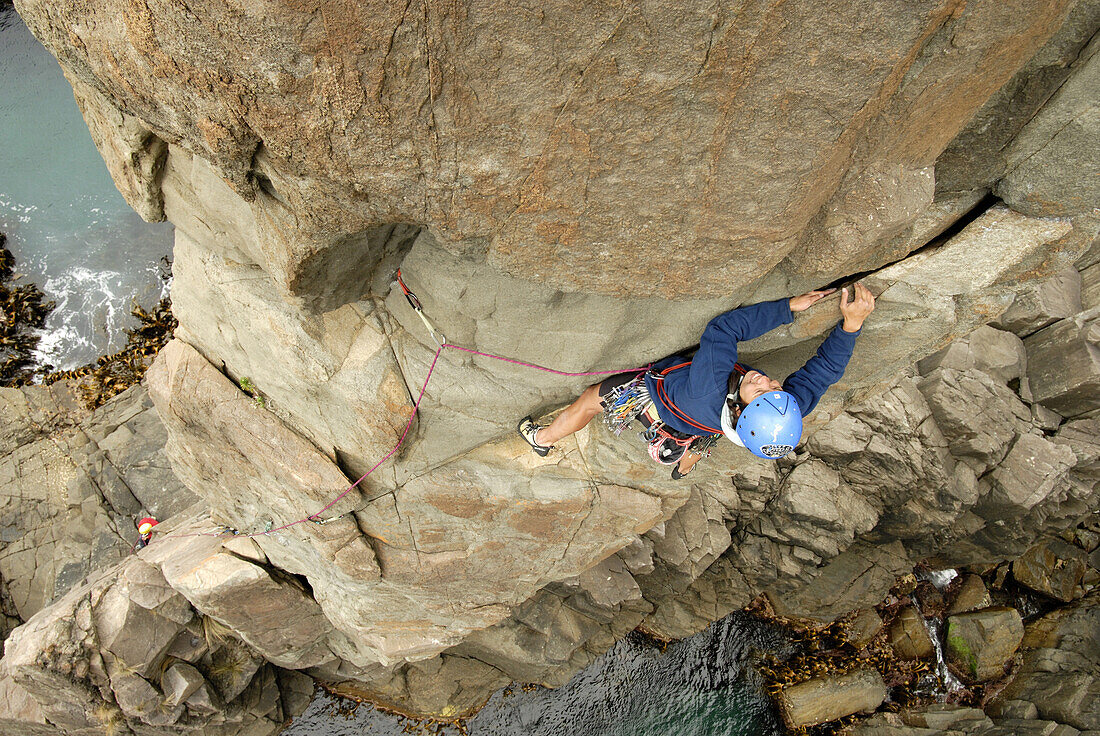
pixel 575 416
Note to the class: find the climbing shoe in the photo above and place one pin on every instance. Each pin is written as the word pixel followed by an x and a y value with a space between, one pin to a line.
pixel 528 430
pixel 676 474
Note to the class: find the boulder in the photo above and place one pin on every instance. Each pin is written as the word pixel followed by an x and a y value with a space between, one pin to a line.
pixel 943 717
pixel 862 627
pixel 996 352
pixel 137 636
pixel 968 594
pixel 136 698
pixel 1053 568
pixel 1064 365
pixel 861 576
pixel 979 644
pixel 1034 469
pixel 979 417
pixel 1020 710
pixel 825 699
pixel 1060 673
pixel 821 512
pixel 1043 303
pixel 1083 437
pixel 909 636
pixel 275 616
pixel 179 681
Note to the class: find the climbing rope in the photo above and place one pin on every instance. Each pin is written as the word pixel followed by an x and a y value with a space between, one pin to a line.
pixel 441 341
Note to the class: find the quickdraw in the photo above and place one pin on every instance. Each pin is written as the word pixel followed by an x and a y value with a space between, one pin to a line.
pixel 414 302
pixel 625 403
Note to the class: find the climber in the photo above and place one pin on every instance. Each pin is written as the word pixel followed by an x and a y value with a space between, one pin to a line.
pixel 686 405
pixel 145 532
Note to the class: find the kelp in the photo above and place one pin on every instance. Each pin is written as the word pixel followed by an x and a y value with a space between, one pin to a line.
pixel 24 313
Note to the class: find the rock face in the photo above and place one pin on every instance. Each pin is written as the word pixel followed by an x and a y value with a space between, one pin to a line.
pixel 580 188
pixel 125 650
pixel 529 150
pixel 71 485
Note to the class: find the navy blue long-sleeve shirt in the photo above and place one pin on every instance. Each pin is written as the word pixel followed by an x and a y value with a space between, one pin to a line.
pixel 699 389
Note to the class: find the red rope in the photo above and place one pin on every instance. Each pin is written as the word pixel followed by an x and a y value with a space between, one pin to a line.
pixel 404 434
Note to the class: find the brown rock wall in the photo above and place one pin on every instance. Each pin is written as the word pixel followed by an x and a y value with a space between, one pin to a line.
pixel 526 133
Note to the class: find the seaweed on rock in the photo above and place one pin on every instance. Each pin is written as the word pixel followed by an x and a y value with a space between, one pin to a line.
pixel 23 311
pixel 112 374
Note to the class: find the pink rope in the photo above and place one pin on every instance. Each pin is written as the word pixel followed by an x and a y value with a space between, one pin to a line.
pixel 404 434
pixel 539 367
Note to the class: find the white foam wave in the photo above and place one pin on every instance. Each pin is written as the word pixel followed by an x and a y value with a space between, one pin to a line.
pixel 87 303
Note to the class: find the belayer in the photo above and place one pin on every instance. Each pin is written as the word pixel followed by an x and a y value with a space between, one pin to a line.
pixel 686 405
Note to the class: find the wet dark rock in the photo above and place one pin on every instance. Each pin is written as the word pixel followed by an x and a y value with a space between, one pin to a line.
pixel 909 636
pixel 968 593
pixel 943 717
pixel 1060 672
pixel 1053 567
pixel 23 310
pixel 930 599
pixel 862 626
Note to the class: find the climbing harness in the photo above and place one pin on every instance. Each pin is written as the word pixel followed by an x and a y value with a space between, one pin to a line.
pixel 631 402
pixel 659 382
pixel 441 341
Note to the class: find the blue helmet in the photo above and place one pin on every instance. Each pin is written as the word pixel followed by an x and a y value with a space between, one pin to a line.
pixel 769 427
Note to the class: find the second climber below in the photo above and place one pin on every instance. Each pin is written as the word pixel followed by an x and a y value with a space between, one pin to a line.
pixel 686 405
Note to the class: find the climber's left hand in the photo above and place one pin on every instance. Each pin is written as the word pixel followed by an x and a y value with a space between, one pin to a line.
pixel 805 301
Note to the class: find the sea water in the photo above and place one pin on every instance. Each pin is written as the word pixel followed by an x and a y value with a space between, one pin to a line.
pixel 701 686
pixel 70 230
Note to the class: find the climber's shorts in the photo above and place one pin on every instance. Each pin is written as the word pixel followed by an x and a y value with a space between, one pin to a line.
pixel 608 384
